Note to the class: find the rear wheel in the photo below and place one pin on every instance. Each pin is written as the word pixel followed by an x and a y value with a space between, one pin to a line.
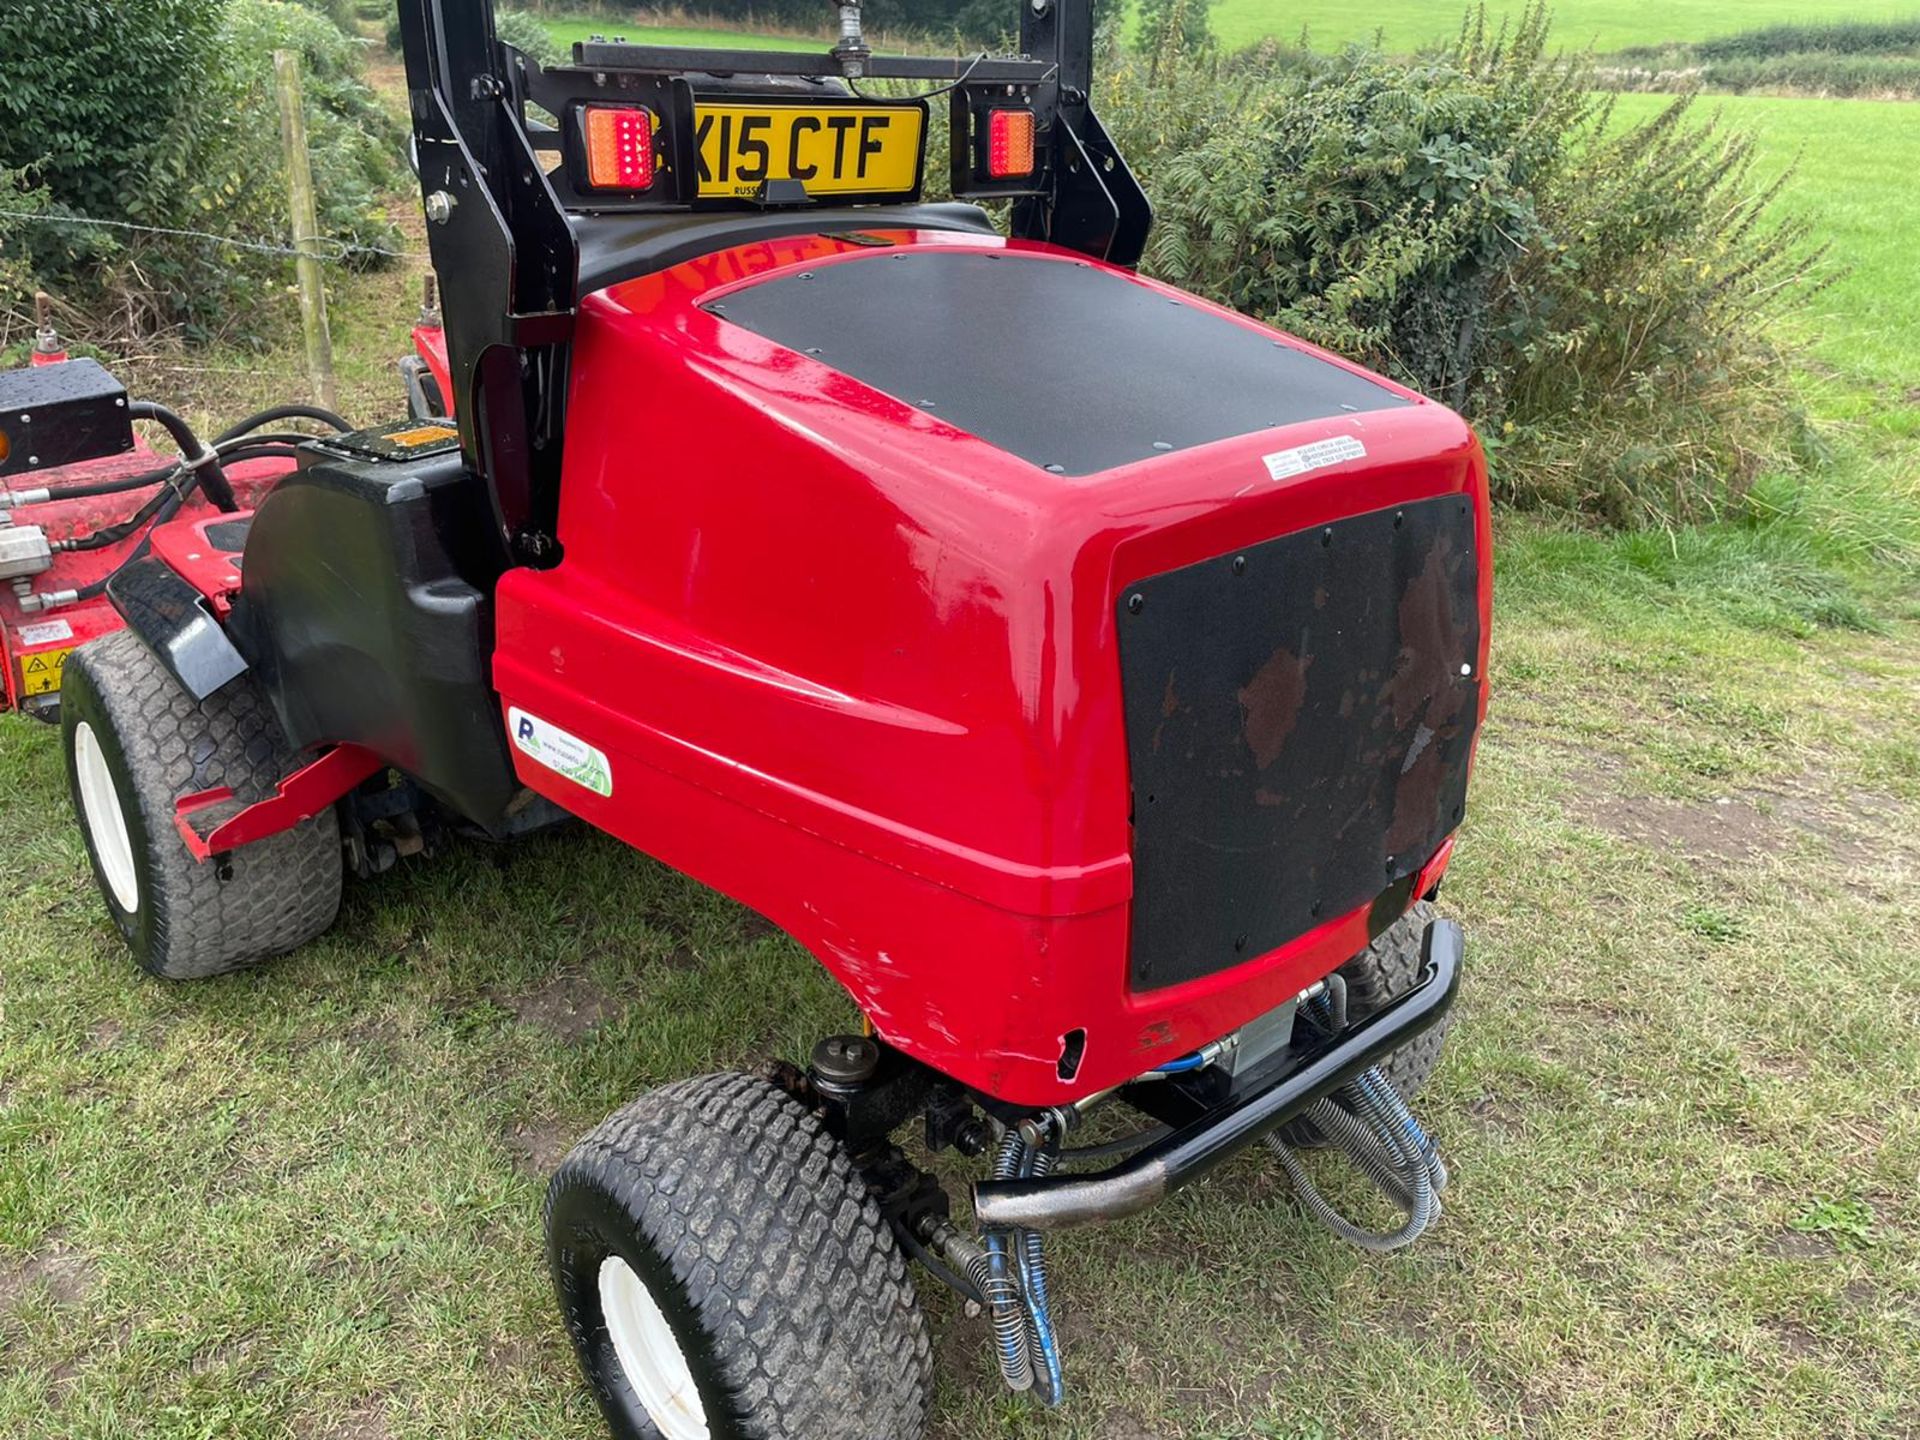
pixel 1381 974
pixel 1375 978
pixel 135 744
pixel 724 1274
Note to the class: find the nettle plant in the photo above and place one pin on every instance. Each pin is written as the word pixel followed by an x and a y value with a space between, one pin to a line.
pixel 1599 299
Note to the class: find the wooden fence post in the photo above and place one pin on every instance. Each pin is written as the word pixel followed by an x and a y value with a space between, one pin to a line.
pixel 306 228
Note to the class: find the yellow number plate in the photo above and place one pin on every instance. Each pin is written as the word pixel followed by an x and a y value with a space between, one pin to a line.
pixel 840 150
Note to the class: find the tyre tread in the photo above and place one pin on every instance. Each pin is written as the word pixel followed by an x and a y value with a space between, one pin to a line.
pixel 253 903
pixel 785 1256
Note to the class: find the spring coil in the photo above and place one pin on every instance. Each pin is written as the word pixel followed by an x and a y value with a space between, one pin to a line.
pixel 1001 1288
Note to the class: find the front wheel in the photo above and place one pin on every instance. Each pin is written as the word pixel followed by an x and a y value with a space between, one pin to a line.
pixel 723 1274
pixel 136 743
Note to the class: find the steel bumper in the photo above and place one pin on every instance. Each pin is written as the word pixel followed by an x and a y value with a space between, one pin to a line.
pixel 1059 1202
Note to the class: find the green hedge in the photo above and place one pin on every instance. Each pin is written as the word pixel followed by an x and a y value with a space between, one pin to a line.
pixel 1818 73
pixel 1599 304
pixel 160 114
pixel 1842 37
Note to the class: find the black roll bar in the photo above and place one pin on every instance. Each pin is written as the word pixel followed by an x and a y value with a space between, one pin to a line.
pixel 505 240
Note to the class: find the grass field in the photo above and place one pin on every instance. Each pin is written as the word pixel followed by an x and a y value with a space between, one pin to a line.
pixel 1604 24
pixel 1853 161
pixel 1407 24
pixel 1680 1103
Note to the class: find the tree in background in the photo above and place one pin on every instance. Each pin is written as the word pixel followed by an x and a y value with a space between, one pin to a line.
pixel 159 114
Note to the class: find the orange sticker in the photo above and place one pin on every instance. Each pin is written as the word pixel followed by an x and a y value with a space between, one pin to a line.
pixel 423 435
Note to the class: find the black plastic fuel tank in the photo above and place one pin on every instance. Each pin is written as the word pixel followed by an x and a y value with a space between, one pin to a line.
pixel 366 613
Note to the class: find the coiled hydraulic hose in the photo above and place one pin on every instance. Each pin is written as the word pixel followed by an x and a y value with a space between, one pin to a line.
pixel 1017 1273
pixel 1049 1376
pixel 1003 1292
pixel 1372 1124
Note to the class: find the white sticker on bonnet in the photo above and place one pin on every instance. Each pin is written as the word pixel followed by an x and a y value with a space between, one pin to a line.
pixel 560 752
pixel 1285 464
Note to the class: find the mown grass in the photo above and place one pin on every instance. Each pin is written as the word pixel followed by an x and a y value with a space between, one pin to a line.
pixel 1680 1102
pixel 1604 24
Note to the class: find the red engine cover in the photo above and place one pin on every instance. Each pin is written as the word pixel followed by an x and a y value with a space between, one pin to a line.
pixel 857 667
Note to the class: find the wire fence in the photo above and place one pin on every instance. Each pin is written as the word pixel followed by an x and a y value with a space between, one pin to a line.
pixel 329 250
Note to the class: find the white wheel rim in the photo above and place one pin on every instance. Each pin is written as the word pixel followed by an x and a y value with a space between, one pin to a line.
pixel 650 1353
pixel 106 821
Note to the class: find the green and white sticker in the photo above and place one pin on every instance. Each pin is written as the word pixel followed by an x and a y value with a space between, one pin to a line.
pixel 560 752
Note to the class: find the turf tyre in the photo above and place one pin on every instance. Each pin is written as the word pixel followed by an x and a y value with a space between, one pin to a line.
pixel 122 715
pixel 1381 974
pixel 755 1237
pixel 1377 976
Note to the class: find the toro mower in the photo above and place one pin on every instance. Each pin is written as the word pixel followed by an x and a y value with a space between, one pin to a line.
pixel 1087 675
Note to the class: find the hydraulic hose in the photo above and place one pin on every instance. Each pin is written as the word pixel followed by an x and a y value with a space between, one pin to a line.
pixel 114 534
pixel 283 412
pixel 1368 1120
pixel 1049 1376
pixel 1003 1289
pixel 197 457
pixel 1015 1285
pixel 1372 1124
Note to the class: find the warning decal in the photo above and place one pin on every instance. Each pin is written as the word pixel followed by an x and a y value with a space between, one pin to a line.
pixel 45 633
pixel 1285 464
pixel 423 435
pixel 40 674
pixel 564 754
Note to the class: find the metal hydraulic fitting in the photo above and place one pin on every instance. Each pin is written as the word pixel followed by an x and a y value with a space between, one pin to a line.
pixel 852 51
pixel 24 551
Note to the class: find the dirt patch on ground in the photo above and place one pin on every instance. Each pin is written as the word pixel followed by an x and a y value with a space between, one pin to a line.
pixel 1738 829
pixel 1124 1425
pixel 567 1006
pixel 1796 1341
pixel 363 1422
pixel 67 1276
pixel 1800 1245
pixel 1728 832
pixel 539 1146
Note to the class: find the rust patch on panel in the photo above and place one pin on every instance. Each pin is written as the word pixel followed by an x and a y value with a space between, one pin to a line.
pixel 1314 751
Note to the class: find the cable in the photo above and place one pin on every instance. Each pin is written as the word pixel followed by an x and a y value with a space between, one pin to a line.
pixel 246 447
pixel 283 412
pixel 342 248
pixel 948 89
pixel 196 456
pixel 1125 1145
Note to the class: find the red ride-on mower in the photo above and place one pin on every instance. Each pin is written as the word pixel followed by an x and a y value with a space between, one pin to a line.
pixel 1087 675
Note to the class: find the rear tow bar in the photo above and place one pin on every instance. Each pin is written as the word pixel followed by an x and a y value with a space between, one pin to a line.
pixel 1062 1201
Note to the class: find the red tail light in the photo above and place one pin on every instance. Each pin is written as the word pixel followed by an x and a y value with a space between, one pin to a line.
pixel 619 147
pixel 1009 144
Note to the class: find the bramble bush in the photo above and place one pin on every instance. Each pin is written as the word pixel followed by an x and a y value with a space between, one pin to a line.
pixel 161 114
pixel 1598 300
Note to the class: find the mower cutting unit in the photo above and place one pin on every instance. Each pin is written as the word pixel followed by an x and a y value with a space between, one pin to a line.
pixel 1087 675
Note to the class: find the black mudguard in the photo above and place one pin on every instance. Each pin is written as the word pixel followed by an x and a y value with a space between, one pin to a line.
pixel 366 608
pixel 172 620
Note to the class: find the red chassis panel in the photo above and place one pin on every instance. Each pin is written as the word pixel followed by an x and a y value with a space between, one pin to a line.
pixel 34 646
pixel 857 668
